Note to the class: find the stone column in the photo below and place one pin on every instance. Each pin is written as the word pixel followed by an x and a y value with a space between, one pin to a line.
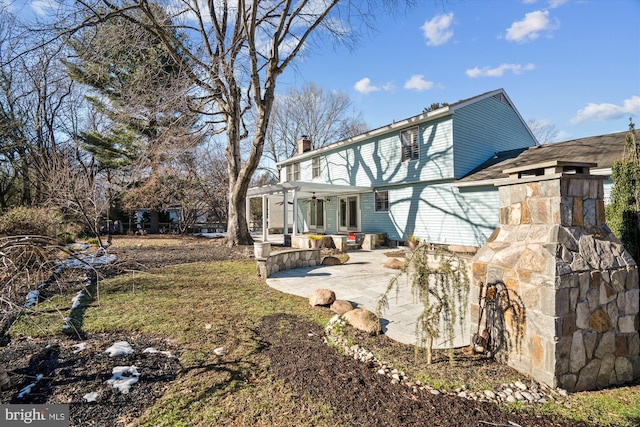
pixel 569 290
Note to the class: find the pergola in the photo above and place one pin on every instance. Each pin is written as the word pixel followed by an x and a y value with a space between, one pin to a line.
pixel 297 190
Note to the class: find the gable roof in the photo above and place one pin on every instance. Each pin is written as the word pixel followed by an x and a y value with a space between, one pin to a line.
pixel 411 121
pixel 602 150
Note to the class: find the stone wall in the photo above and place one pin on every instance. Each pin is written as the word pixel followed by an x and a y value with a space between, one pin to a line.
pixel 285 260
pixel 568 291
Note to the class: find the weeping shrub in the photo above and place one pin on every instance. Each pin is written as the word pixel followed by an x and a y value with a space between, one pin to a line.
pixel 443 290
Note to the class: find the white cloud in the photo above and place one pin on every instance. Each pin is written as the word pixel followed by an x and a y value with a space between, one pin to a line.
pixel 417 82
pixel 556 3
pixel 364 86
pixel 605 111
pixel 43 7
pixel 552 3
pixel 437 30
pixel 530 27
pixel 499 71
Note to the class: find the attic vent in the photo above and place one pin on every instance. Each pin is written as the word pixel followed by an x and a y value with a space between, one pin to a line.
pixel 500 97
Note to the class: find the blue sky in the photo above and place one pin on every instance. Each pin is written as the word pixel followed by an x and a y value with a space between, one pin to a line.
pixel 572 63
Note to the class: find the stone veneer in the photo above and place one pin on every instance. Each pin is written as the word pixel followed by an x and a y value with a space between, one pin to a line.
pixel 577 284
pixel 285 260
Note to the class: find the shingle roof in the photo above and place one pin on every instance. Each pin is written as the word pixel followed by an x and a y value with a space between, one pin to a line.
pixel 602 149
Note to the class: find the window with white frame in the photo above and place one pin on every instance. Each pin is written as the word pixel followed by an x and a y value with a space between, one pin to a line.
pixel 381 201
pixel 293 171
pixel 410 144
pixel 315 167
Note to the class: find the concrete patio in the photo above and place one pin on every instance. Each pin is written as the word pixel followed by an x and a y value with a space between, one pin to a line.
pixel 362 280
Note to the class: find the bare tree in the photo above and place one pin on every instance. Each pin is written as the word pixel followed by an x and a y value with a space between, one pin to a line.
pixel 35 106
pixel 323 116
pixel 544 131
pixel 237 50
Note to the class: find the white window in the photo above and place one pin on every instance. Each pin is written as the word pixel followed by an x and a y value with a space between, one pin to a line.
pixel 315 167
pixel 293 171
pixel 381 201
pixel 410 144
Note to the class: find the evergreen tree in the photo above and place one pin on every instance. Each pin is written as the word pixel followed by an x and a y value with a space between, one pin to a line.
pixel 141 90
pixel 623 211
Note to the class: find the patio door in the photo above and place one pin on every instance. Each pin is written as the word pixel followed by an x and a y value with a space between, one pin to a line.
pixel 316 215
pixel 348 213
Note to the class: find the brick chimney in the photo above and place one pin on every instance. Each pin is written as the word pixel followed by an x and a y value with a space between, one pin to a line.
pixel 304 144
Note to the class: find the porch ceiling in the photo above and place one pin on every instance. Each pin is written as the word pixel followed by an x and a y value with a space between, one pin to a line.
pixel 307 189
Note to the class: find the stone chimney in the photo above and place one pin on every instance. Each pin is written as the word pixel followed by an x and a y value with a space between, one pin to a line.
pixel 560 293
pixel 304 144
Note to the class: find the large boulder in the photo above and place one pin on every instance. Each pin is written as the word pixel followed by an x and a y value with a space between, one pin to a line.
pixel 331 260
pixel 322 297
pixel 394 263
pixel 363 320
pixel 341 306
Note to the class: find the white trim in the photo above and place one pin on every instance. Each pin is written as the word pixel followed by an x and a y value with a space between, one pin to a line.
pixel 358 212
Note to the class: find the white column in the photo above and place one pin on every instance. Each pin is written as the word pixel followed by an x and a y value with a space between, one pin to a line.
pixel 295 212
pixel 285 214
pixel 265 225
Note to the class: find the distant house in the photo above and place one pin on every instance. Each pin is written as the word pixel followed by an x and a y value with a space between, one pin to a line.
pixel 430 176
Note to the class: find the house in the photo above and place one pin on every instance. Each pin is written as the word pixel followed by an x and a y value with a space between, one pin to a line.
pixel 430 176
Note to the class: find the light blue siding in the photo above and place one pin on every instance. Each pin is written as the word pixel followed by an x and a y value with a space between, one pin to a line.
pixel 378 161
pixel 484 128
pixel 436 213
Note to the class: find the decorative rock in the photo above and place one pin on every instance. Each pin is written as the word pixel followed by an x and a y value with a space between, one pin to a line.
pixel 394 263
pixel 363 320
pixel 341 306
pixel 322 297
pixel 527 396
pixel 520 385
pixel 330 260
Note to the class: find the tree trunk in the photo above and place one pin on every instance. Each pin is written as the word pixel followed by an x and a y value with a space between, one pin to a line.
pixel 237 228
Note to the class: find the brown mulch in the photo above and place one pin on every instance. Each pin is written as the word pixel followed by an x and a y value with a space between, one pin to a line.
pixel 70 373
pixel 299 356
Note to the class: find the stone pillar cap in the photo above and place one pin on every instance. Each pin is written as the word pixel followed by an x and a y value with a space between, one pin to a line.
pixel 550 168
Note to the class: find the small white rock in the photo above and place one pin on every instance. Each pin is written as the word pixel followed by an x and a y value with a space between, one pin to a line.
pixel 490 394
pixel 520 385
pixel 219 351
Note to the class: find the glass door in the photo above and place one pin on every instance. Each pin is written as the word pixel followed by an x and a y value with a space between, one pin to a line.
pixel 348 213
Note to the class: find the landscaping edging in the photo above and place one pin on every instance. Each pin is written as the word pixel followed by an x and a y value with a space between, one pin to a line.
pixel 285 260
pixel 534 393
